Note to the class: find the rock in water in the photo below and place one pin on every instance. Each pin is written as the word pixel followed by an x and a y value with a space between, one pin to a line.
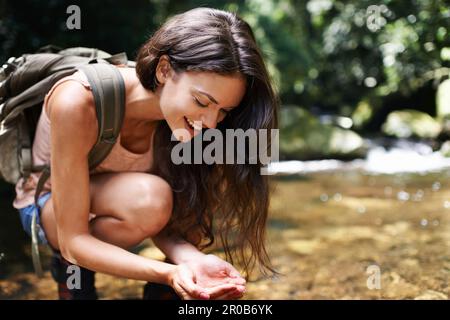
pixel 443 99
pixel 408 123
pixel 431 295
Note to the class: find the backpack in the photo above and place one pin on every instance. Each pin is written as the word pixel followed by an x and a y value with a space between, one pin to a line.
pixel 24 82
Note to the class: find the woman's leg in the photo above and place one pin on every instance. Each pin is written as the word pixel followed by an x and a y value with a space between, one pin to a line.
pixel 128 206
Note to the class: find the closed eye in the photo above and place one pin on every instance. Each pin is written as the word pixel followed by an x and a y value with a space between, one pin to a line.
pixel 204 106
pixel 200 104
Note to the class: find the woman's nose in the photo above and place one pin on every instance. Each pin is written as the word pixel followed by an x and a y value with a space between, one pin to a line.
pixel 209 119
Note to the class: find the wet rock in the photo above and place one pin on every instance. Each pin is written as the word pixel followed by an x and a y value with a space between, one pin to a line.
pixel 445 149
pixel 443 99
pixel 445 132
pixel 397 228
pixel 302 136
pixel 304 246
pixel 393 286
pixel 431 295
pixel 346 234
pixel 411 123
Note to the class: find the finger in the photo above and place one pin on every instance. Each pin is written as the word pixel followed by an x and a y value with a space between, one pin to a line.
pixel 225 296
pixel 238 280
pixel 187 297
pixel 231 295
pixel 194 290
pixel 181 292
pixel 233 273
pixel 221 290
pixel 232 280
pixel 238 293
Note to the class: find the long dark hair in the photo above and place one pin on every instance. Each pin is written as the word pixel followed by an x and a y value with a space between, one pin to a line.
pixel 230 201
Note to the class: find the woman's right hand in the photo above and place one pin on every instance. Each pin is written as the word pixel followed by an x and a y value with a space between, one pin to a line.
pixel 182 280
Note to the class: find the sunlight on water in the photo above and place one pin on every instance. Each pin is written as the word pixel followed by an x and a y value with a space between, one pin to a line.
pixel 403 196
pixel 418 196
pixel 436 186
pixel 378 161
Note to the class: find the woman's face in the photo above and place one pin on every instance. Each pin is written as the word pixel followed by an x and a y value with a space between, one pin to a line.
pixel 192 100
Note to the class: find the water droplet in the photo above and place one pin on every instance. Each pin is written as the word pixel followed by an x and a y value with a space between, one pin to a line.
pixel 424 222
pixel 2 255
pixel 324 197
pixel 447 204
pixel 337 197
pixel 436 186
pixel 435 222
pixel 403 196
pixel 361 209
pixel 388 191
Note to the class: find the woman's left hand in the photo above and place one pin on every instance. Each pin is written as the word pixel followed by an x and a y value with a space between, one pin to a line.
pixel 211 271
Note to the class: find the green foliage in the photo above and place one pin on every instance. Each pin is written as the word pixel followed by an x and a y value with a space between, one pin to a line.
pixel 321 53
pixel 113 26
pixel 335 54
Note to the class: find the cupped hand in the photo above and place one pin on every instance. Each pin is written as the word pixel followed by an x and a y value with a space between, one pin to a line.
pixel 207 277
pixel 220 279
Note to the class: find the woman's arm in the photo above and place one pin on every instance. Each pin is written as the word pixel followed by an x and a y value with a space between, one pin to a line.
pixel 73 133
pixel 175 248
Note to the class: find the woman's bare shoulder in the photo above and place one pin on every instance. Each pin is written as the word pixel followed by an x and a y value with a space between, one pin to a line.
pixel 71 110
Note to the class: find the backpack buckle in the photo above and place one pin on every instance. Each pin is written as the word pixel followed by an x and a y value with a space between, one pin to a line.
pixel 110 140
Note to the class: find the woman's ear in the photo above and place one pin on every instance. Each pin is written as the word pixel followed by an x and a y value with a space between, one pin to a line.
pixel 163 69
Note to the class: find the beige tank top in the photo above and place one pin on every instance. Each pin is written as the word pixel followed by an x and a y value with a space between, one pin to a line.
pixel 118 160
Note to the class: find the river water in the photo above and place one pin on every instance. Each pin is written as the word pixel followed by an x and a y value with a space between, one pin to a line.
pixel 377 228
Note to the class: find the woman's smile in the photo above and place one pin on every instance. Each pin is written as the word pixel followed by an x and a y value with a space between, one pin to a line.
pixel 191 126
pixel 194 124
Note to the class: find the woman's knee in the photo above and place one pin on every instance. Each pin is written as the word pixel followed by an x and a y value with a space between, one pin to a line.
pixel 153 203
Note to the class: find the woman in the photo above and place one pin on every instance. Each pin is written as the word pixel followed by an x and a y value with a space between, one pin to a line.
pixel 201 66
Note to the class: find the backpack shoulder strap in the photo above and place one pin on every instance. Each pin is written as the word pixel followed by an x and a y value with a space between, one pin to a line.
pixel 108 89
